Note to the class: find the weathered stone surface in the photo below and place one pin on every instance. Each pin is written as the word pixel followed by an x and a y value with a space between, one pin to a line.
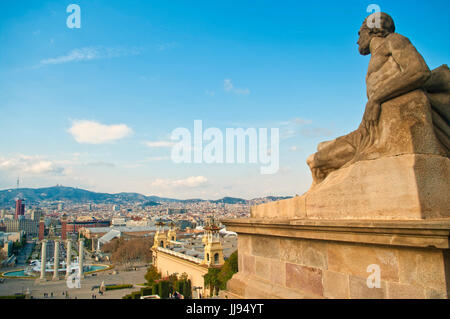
pixel 405 233
pixel 277 272
pixel 250 287
pixel 360 290
pixel 304 278
pixel 266 246
pixel 434 294
pixel 244 244
pixel 305 252
pixel 335 285
pixel 401 187
pixel 248 262
pixel 422 267
pixel 290 250
pixel 262 267
pixel 237 284
pixel 354 259
pixel 314 254
pixel 402 291
pixel 286 208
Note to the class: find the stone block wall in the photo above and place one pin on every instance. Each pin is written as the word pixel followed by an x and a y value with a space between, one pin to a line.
pixel 283 267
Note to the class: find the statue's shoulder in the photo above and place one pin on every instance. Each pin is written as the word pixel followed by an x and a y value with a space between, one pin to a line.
pixel 398 41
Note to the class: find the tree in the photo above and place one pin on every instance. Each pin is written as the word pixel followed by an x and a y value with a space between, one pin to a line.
pixel 211 280
pixel 2 257
pixel 164 289
pixel 187 289
pixel 173 279
pixel 180 286
pixel 152 275
pixel 217 278
pixel 128 252
pixel 155 289
pixel 229 268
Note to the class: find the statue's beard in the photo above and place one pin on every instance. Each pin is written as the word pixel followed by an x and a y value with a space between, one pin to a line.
pixel 364 50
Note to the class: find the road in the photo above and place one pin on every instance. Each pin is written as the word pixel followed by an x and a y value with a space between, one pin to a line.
pixel 24 253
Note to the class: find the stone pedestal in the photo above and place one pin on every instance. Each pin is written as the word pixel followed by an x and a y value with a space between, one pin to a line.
pixel 293 258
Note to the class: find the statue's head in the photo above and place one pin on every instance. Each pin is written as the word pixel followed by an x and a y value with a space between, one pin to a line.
pixel 372 28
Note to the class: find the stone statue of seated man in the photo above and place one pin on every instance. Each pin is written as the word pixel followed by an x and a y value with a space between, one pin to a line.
pixel 400 90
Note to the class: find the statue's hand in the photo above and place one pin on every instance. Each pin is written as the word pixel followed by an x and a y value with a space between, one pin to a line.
pixel 372 112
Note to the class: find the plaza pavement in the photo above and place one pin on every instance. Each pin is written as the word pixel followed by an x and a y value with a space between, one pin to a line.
pixel 37 289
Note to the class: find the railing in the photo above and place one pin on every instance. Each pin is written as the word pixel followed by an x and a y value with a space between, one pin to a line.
pixel 174 253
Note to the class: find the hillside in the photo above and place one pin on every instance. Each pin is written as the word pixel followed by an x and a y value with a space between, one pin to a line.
pixel 34 196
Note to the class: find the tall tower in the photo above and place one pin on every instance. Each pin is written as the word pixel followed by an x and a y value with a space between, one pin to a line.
pixel 160 239
pixel 20 208
pixel 64 227
pixel 172 233
pixel 213 246
pixel 41 228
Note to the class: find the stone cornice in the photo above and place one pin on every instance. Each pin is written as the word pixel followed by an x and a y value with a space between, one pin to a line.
pixel 411 233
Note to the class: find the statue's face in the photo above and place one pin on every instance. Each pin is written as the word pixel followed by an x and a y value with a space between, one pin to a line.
pixel 364 41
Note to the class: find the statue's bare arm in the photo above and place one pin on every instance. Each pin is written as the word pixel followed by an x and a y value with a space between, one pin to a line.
pixel 414 71
pixel 413 74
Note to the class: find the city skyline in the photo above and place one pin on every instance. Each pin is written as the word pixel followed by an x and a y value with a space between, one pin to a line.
pixel 94 107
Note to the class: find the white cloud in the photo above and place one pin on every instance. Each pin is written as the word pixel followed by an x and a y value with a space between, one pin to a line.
pixel 90 53
pixel 165 46
pixel 159 144
pixel 191 182
pixel 316 132
pixel 291 127
pixel 91 132
pixel 301 121
pixel 229 87
pixel 30 164
pixel 294 149
pixel 157 158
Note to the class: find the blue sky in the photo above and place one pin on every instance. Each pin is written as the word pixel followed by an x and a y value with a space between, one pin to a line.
pixel 139 69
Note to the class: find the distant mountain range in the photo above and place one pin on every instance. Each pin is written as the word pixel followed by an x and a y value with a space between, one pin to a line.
pixel 35 196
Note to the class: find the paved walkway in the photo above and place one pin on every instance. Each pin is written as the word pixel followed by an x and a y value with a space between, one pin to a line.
pixel 12 286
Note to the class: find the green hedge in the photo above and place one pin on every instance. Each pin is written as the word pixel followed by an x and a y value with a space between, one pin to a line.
pixel 136 295
pixel 155 289
pixel 164 289
pixel 179 286
pixel 13 297
pixel 187 289
pixel 146 291
pixel 119 287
